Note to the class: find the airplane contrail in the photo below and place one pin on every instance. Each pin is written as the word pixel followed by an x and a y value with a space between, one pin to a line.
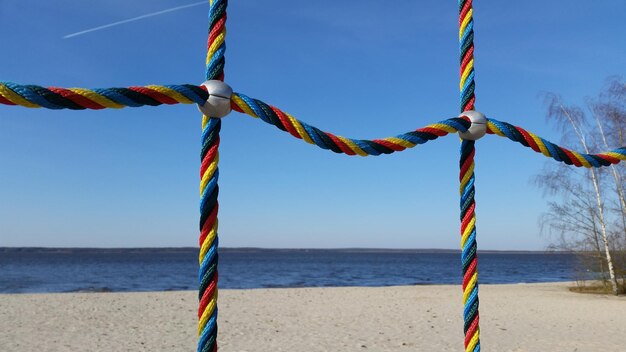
pixel 134 19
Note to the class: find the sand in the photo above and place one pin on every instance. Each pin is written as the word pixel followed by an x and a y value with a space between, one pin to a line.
pixel 523 317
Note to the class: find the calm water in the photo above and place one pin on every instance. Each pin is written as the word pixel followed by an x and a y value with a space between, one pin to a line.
pixel 72 270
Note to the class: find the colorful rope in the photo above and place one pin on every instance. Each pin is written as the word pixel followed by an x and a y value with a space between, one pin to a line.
pixel 540 145
pixel 466 46
pixel 32 96
pixel 338 144
pixel 209 189
pixel 469 259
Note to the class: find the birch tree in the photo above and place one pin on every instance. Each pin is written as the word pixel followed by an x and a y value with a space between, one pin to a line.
pixel 589 214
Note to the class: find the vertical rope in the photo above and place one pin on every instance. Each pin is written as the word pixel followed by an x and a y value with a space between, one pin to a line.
pixel 468 246
pixel 466 46
pixel 469 259
pixel 209 173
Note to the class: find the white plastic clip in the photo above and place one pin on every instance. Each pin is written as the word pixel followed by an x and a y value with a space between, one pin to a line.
pixel 477 129
pixel 218 102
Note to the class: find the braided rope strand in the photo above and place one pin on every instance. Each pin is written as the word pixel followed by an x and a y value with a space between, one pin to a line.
pixel 551 150
pixel 32 96
pixel 209 189
pixel 339 144
pixel 469 259
pixel 466 47
pixel 208 241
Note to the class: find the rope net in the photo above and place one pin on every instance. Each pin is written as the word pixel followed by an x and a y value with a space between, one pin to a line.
pixel 33 96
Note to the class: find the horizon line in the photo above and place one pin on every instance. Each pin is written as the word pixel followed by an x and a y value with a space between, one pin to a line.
pixel 251 248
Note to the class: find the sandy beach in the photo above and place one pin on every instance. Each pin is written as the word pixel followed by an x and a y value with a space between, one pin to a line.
pixel 522 317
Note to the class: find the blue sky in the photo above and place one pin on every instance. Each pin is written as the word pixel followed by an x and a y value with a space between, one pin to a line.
pixel 119 178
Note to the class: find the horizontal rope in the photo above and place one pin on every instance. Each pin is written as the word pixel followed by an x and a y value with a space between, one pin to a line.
pixel 338 144
pixel 32 96
pixel 549 149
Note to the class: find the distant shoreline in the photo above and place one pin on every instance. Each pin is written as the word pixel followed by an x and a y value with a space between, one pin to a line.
pixel 257 250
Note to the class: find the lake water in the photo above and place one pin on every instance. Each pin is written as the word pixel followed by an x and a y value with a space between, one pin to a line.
pixel 102 270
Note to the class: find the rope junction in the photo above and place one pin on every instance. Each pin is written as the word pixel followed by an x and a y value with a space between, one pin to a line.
pixel 33 96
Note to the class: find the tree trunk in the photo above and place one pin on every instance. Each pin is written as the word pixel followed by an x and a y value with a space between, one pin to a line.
pixel 605 237
pixel 596 243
